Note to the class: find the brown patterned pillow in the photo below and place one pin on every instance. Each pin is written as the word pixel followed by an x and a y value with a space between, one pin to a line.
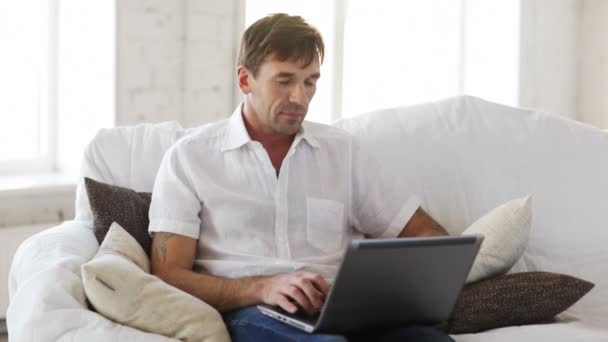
pixel 514 299
pixel 110 203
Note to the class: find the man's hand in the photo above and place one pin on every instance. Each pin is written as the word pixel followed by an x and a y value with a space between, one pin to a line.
pixel 291 291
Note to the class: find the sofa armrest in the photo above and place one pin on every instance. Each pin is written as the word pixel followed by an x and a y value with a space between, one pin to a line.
pixel 67 245
pixel 47 299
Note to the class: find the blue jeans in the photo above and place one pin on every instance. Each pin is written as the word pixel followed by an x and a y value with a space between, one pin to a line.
pixel 248 324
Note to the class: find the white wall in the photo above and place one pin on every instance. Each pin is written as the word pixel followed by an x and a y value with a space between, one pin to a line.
pixel 210 57
pixel 149 60
pixel 564 58
pixel 593 91
pixel 549 55
pixel 175 60
pixel 25 204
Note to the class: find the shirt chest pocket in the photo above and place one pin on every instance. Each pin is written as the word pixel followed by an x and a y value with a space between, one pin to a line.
pixel 324 223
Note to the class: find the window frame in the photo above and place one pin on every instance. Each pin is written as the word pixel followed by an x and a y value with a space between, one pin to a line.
pixel 46 162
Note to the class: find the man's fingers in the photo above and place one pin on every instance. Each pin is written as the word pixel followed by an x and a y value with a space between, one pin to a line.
pixel 295 293
pixel 315 296
pixel 286 305
pixel 291 291
pixel 318 282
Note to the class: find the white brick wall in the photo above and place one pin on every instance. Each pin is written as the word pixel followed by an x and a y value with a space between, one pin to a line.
pixel 176 60
pixel 149 60
pixel 549 52
pixel 52 204
pixel 209 60
pixel 593 102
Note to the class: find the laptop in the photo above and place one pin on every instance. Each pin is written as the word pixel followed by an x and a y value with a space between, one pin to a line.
pixel 391 282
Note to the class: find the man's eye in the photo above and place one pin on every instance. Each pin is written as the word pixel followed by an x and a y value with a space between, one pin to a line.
pixel 310 83
pixel 283 82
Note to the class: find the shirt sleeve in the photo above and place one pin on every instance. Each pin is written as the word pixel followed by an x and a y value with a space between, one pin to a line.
pixel 175 206
pixel 381 204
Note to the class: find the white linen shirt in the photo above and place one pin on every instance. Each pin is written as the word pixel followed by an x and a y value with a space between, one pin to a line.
pixel 220 187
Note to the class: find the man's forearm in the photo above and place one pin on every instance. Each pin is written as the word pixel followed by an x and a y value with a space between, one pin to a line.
pixel 422 224
pixel 172 260
pixel 222 293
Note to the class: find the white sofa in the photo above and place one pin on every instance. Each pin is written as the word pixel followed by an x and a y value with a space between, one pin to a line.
pixel 463 156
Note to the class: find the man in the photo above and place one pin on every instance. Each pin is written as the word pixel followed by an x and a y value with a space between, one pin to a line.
pixel 259 208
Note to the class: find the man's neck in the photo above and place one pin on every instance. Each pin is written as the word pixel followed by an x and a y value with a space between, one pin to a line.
pixel 276 145
pixel 270 139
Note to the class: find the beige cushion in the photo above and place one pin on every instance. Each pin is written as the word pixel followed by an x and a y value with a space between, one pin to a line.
pixel 506 230
pixel 117 284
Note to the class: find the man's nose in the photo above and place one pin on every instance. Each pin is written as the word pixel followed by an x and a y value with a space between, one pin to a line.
pixel 298 95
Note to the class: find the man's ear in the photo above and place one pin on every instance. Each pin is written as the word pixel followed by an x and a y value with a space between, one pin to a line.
pixel 244 76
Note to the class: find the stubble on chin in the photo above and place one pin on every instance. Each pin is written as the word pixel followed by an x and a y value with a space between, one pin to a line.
pixel 288 129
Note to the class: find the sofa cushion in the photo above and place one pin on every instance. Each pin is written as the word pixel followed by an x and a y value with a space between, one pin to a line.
pixel 118 286
pixel 514 299
pixel 110 203
pixel 506 230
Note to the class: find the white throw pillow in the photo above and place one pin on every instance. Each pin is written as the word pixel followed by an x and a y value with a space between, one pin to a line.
pixel 118 286
pixel 506 230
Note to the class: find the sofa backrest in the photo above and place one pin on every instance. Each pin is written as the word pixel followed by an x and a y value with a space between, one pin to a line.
pixel 125 156
pixel 464 156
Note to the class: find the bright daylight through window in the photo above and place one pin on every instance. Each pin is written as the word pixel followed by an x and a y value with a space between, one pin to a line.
pixel 25 104
pixel 394 53
pixel 57 67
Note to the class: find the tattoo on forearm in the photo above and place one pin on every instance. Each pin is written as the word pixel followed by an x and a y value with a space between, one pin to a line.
pixel 160 242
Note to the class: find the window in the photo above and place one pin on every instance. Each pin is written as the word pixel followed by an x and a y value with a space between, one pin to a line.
pixel 390 53
pixel 491 50
pixel 26 85
pixel 86 80
pixel 57 62
pixel 399 53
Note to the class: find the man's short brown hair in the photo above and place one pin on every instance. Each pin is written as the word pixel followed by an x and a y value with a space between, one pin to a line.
pixel 284 36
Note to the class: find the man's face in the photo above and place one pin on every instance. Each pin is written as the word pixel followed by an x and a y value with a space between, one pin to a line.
pixel 280 93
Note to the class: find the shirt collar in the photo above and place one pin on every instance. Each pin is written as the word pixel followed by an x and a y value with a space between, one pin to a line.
pixel 238 136
pixel 306 135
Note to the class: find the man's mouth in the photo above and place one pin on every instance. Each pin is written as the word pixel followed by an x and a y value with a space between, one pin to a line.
pixel 292 115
